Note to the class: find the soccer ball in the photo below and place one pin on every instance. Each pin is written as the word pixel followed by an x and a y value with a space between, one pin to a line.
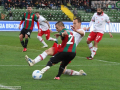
pixel 37 74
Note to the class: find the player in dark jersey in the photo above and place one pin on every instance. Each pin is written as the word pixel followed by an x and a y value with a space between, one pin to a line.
pixel 66 52
pixel 28 19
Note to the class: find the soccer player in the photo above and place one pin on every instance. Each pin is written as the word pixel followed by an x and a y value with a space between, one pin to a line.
pixel 45 29
pixel 100 19
pixel 28 19
pixel 78 33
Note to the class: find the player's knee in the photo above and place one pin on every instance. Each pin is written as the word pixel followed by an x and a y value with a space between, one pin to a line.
pixel 49 63
pixel 88 42
pixel 64 70
pixel 48 39
pixel 39 37
pixel 26 36
pixel 49 52
pixel 62 67
pixel 95 43
pixel 21 36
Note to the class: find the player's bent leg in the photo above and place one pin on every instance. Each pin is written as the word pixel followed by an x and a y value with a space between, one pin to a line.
pixel 47 33
pixel 40 57
pixel 52 39
pixel 64 64
pixel 41 40
pixel 61 69
pixel 88 42
pixel 64 70
pixel 74 73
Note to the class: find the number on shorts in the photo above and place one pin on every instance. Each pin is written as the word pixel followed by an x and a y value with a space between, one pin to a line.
pixel 70 40
pixel 28 33
pixel 98 37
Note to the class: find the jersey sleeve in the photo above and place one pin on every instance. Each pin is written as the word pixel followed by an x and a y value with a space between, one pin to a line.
pixel 83 31
pixel 42 19
pixel 107 19
pixel 93 18
pixel 23 18
pixel 61 35
pixel 35 18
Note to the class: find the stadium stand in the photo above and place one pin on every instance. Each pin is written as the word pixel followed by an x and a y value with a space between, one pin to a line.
pixel 51 9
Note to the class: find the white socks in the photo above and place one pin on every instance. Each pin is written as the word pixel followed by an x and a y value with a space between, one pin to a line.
pixel 71 72
pixel 90 46
pixel 41 40
pixel 93 51
pixel 40 57
pixel 51 39
pixel 45 69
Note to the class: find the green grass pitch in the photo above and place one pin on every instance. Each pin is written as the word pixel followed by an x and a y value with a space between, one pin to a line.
pixel 103 72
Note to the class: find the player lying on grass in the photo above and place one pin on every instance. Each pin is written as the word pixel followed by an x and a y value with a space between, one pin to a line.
pixel 79 33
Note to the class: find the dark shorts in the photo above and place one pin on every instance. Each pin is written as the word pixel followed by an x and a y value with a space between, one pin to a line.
pixel 26 31
pixel 65 57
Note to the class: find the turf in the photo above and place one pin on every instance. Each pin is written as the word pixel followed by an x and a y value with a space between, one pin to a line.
pixel 102 72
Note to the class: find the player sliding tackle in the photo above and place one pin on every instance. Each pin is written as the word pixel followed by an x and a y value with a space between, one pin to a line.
pixel 78 33
pixel 100 19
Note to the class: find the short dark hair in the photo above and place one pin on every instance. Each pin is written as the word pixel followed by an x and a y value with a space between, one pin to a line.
pixel 29 5
pixel 78 19
pixel 99 8
pixel 36 12
pixel 60 23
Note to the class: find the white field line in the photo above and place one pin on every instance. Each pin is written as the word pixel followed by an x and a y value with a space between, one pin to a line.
pixel 58 65
pixel 76 56
pixel 100 60
pixel 5 87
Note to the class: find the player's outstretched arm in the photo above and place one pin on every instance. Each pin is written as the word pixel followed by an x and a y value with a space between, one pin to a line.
pixel 64 33
pixel 57 35
pixel 78 31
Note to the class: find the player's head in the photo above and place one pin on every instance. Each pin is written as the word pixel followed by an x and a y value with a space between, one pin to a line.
pixel 59 26
pixel 99 11
pixel 37 14
pixel 29 9
pixel 77 23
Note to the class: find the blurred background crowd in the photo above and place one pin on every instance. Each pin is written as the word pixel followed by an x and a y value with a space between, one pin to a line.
pixel 55 4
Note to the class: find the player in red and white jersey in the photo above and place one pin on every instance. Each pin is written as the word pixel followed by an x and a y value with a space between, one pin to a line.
pixel 100 19
pixel 78 34
pixel 45 29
